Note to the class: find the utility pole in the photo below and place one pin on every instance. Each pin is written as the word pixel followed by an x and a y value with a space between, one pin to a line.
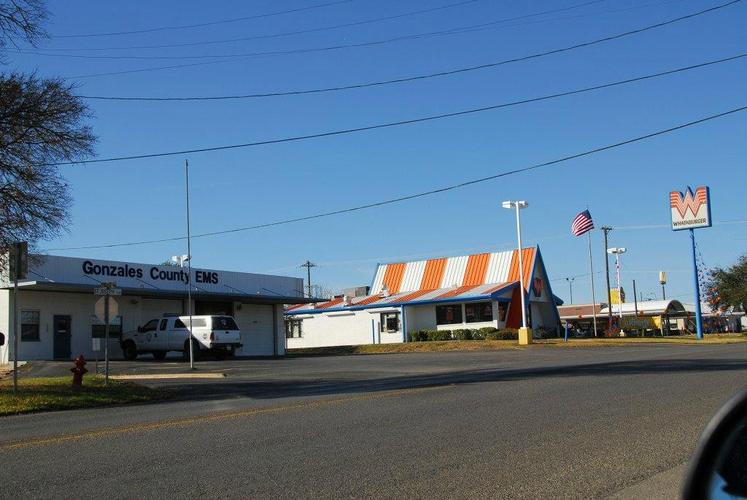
pixel 189 271
pixel 570 286
pixel 308 265
pixel 606 230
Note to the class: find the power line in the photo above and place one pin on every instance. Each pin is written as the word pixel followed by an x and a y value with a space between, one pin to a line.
pixel 384 82
pixel 200 25
pixel 337 46
pixel 586 44
pixel 296 32
pixel 426 193
pixel 397 123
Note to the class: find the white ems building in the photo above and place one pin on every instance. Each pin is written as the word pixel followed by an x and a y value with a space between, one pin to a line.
pixel 56 304
pixel 470 291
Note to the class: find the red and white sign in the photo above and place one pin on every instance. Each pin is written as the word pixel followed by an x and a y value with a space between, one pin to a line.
pixel 690 210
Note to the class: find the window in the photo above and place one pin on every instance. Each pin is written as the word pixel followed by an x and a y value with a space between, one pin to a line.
pixel 502 310
pixel 293 328
pixel 224 323
pixel 449 315
pixel 98 329
pixel 150 326
pixel 199 323
pixel 179 324
pixel 30 326
pixel 389 322
pixel 162 327
pixel 476 312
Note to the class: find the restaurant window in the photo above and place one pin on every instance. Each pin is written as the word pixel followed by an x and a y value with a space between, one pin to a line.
pixel 449 315
pixel 389 322
pixel 476 312
pixel 293 329
pixel 98 328
pixel 502 310
pixel 30 326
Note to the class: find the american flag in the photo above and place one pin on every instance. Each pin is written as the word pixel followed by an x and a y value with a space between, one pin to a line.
pixel 582 223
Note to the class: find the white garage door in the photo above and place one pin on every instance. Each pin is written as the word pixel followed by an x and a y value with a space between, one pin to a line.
pixel 156 308
pixel 255 322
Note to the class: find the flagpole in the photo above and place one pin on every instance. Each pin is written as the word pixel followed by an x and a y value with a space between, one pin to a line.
pixel 593 295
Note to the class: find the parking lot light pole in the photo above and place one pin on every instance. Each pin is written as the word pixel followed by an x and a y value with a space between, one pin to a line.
pixel 525 333
pixel 617 251
pixel 189 272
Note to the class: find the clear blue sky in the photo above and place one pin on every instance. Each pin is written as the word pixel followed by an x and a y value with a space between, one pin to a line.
pixel 143 199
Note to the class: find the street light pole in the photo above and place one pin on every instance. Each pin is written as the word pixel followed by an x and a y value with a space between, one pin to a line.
pixel 525 334
pixel 606 230
pixel 617 251
pixel 189 272
pixel 570 286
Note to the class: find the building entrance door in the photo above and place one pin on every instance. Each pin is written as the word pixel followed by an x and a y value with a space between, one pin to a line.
pixel 62 337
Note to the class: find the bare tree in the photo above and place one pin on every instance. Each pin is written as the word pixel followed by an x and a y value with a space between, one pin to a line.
pixel 21 21
pixel 41 122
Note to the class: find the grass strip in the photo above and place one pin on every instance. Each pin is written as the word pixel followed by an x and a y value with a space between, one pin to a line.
pixel 491 345
pixel 56 393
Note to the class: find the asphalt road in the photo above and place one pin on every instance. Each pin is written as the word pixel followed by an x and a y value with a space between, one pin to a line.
pixel 535 423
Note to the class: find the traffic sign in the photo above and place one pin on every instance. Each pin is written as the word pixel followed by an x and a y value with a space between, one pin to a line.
pixel 107 291
pixel 100 309
pixel 19 261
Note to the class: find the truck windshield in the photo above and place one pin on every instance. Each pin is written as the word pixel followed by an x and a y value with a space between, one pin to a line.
pixel 224 323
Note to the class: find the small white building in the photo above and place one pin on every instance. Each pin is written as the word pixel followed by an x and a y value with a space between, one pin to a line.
pixel 470 291
pixel 56 304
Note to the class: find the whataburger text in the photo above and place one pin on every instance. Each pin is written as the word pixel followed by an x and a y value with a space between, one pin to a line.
pixel 155 273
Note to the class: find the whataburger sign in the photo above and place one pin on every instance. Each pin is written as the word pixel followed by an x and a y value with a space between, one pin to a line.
pixel 690 210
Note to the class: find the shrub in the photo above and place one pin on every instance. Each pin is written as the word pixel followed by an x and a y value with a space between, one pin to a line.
pixel 483 332
pixel 504 334
pixel 419 336
pixel 462 334
pixel 438 335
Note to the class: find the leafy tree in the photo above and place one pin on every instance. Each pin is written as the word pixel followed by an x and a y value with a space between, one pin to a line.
pixel 41 122
pixel 727 288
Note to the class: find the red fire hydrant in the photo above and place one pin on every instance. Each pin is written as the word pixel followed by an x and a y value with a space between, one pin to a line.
pixel 79 370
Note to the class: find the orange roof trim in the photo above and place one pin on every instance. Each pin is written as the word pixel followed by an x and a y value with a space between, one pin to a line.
pixel 477 267
pixel 331 303
pixel 368 300
pixel 393 277
pixel 434 272
pixel 527 256
pixel 412 296
pixel 457 291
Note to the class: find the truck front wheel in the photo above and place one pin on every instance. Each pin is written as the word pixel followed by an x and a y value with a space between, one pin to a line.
pixel 129 349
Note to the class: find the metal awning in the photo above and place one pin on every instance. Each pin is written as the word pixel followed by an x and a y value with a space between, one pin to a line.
pixel 197 294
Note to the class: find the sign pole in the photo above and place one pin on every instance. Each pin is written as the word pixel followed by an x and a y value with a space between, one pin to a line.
pixel 189 272
pixel 698 316
pixel 593 295
pixel 106 338
pixel 16 333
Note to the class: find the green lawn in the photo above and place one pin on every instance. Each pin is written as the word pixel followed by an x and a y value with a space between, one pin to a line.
pixel 56 393
pixel 490 345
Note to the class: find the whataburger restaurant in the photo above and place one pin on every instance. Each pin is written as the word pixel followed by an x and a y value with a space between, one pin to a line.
pixel 465 292
pixel 57 304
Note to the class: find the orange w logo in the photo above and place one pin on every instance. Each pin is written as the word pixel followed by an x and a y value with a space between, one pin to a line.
pixel 686 202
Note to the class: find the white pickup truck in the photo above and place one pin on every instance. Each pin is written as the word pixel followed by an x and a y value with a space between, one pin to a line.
pixel 215 334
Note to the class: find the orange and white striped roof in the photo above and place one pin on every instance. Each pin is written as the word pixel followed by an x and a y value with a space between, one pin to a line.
pixel 451 272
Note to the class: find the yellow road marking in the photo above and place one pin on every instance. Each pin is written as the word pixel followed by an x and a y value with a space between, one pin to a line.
pixel 199 419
